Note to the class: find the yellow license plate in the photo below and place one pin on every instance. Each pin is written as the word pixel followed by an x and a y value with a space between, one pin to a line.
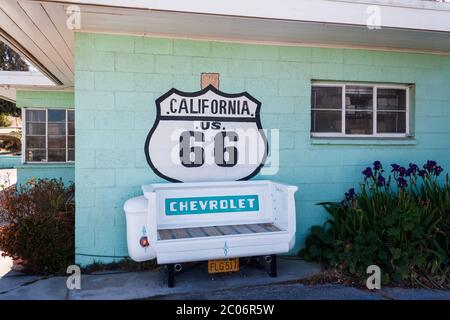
pixel 223 265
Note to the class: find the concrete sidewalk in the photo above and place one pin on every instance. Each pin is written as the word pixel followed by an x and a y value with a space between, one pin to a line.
pixel 138 285
pixel 249 283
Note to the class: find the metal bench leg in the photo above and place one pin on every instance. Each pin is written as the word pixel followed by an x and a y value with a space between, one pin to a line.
pixel 273 265
pixel 171 275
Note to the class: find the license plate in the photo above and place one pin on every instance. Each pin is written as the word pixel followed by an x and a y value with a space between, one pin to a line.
pixel 223 265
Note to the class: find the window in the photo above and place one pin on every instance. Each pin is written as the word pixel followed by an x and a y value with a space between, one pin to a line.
pixel 49 135
pixel 359 110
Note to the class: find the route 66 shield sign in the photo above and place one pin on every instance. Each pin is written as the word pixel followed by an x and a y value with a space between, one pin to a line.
pixel 205 136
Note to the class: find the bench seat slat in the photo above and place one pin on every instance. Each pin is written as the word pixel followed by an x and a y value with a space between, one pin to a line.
pixel 200 232
pixel 211 231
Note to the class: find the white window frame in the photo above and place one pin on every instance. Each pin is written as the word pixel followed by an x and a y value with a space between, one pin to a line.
pixel 24 135
pixel 374 134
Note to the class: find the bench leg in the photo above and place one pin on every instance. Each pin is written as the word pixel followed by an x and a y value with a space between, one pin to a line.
pixel 171 275
pixel 273 265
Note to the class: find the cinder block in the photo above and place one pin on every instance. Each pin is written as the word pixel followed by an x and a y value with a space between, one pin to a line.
pixel 130 177
pixel 133 62
pixel 153 45
pixel 95 139
pixel 95 178
pixel 262 86
pixel 114 43
pixel 94 100
pixel 173 65
pixel 209 65
pixel 277 105
pixel 299 54
pixel 156 83
pixel 90 60
pixel 114 158
pixel 326 55
pixel 135 101
pixel 244 68
pixel 114 81
pixel 85 158
pixel 221 50
pixel 84 80
pixel 84 197
pixel 254 52
pixel 191 48
pixel 361 57
pixel 286 70
pixel 116 119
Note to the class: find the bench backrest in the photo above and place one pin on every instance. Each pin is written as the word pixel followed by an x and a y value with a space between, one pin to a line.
pixel 179 205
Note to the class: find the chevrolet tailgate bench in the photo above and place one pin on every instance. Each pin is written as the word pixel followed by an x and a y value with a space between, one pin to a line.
pixel 186 222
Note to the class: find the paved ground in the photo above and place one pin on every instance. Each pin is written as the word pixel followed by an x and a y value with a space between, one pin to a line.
pixel 249 283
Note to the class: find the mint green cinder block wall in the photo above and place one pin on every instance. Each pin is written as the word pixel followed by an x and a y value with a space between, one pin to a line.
pixel 118 79
pixel 45 99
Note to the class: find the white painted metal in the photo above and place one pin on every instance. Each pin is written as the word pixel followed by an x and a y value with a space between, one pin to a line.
pixel 26 78
pixel 411 14
pixel 277 206
pixel 7 93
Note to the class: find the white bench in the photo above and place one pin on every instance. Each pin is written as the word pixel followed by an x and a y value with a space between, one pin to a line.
pixel 186 222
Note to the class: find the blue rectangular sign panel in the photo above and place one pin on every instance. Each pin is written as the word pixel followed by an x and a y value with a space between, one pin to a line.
pixel 216 204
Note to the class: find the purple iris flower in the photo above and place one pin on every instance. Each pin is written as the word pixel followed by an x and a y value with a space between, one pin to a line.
pixel 368 173
pixel 413 167
pixel 395 167
pixel 430 165
pixel 438 170
pixel 377 165
pixel 381 181
pixel 422 173
pixel 401 171
pixel 402 182
pixel 350 194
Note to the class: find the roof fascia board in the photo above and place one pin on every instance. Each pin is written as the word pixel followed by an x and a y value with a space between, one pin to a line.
pixel 394 13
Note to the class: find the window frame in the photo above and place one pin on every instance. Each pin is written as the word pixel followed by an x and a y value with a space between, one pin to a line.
pixel 24 135
pixel 374 133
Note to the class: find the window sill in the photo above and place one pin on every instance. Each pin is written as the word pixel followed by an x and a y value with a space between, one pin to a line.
pixel 369 141
pixel 46 164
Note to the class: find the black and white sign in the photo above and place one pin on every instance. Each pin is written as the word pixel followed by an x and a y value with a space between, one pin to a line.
pixel 206 135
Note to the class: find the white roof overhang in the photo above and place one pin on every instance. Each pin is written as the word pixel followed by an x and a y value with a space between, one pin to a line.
pixel 38 29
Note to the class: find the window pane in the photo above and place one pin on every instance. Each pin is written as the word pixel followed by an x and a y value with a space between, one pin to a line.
pixel 358 122
pixel 71 128
pixel 71 155
pixel 56 115
pixel 35 142
pixel 71 142
pixel 391 99
pixel 35 128
pixel 358 98
pixel 57 155
pixel 326 98
pixel 35 155
pixel 35 115
pixel 326 121
pixel 57 129
pixel 391 122
pixel 71 116
pixel 56 142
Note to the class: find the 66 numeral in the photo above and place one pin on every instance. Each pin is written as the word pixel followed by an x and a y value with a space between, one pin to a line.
pixel 194 156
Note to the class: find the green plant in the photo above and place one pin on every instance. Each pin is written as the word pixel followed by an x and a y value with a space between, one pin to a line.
pixel 4 121
pixel 400 224
pixel 40 221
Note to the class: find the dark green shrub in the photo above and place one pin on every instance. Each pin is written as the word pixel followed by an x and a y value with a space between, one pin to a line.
pixel 40 222
pixel 400 223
